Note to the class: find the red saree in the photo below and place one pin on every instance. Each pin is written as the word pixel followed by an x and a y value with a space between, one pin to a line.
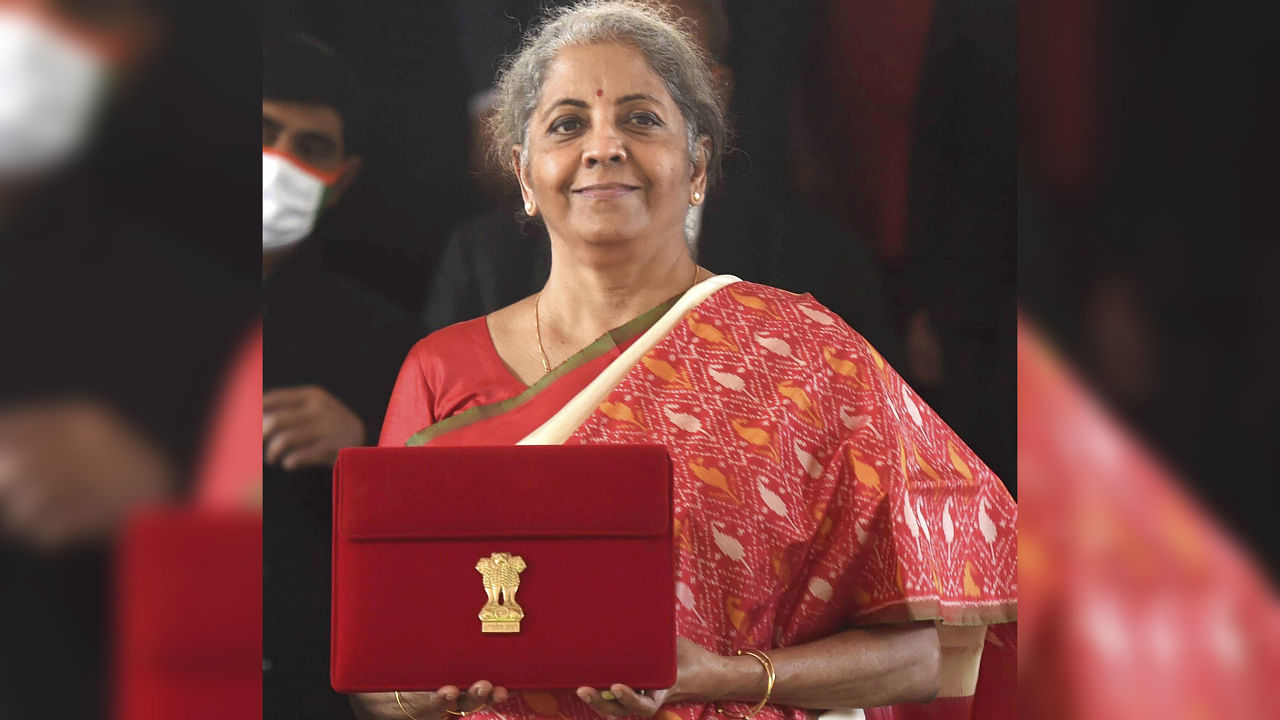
pixel 815 491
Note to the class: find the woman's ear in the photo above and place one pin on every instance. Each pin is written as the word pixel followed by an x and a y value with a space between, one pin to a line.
pixel 702 157
pixel 530 205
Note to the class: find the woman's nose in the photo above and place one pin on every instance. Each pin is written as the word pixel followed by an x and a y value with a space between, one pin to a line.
pixel 603 145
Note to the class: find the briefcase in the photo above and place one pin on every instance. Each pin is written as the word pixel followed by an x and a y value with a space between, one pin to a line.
pixel 189 615
pixel 533 567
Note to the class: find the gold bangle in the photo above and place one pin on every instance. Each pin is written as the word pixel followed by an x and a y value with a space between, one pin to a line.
pixel 451 712
pixel 406 712
pixel 768 691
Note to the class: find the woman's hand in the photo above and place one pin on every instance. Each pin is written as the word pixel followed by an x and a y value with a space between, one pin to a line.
pixel 427 705
pixel 700 677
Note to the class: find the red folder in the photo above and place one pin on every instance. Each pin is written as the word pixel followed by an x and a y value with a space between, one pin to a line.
pixel 189 616
pixel 418 541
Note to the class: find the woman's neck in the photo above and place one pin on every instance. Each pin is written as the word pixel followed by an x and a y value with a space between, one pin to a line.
pixel 584 300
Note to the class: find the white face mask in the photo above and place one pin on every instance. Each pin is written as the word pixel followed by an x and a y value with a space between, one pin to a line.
pixel 50 91
pixel 291 200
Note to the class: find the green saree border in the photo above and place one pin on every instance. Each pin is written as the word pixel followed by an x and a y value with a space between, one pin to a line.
pixel 598 347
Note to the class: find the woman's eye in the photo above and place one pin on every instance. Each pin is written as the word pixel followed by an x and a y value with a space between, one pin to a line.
pixel 566 125
pixel 645 119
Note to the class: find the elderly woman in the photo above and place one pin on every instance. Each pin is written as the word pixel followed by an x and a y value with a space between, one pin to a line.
pixel 825 518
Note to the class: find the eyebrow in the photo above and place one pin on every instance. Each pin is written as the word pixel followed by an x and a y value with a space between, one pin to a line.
pixel 636 96
pixel 573 102
pixel 565 101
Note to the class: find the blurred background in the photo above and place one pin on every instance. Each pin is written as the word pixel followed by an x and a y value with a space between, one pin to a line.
pixel 127 285
pixel 1148 264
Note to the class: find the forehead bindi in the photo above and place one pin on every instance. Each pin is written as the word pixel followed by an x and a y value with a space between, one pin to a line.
pixel 607 72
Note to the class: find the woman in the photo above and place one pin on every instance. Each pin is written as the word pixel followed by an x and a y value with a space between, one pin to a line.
pixel 823 514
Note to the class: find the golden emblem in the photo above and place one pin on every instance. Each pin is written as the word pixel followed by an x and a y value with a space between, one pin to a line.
pixel 501 574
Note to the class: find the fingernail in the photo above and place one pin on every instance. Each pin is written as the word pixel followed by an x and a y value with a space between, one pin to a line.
pixel 585 697
pixel 451 697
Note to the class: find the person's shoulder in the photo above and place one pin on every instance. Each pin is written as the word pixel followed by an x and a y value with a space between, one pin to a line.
pixel 804 325
pixel 794 309
pixel 448 340
pixel 782 296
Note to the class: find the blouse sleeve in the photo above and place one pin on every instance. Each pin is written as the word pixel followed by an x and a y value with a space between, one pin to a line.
pixel 412 402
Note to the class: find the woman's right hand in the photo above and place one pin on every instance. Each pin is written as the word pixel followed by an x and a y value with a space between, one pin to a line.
pixel 427 705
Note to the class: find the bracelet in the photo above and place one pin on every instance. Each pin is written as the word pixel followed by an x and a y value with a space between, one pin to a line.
pixel 451 712
pixel 768 691
pixel 406 712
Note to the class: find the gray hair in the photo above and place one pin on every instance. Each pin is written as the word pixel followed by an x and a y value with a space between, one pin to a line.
pixel 663 40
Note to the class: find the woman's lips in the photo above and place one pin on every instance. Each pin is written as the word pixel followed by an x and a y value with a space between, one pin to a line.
pixel 604 191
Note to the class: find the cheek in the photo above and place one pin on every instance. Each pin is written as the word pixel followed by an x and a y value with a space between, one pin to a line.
pixel 549 174
pixel 672 176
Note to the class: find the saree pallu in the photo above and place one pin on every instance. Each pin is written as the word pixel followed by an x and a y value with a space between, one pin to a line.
pixel 814 490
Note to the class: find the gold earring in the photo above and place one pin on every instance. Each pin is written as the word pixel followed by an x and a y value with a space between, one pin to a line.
pixel 697 198
pixel 528 208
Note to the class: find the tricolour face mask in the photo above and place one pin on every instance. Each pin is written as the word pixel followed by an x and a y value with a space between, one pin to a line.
pixel 292 195
pixel 51 88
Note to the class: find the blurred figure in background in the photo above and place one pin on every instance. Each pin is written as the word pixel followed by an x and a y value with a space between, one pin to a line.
pixel 908 134
pixel 961 233
pixel 331 353
pixel 494 260
pixel 114 333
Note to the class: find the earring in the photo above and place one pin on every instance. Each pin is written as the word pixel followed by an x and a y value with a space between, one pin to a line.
pixel 697 198
pixel 528 209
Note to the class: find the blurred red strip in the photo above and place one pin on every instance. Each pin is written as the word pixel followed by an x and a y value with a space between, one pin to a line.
pixel 1133 604
pixel 189 617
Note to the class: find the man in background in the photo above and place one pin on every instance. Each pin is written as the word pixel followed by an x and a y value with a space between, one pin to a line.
pixel 331 351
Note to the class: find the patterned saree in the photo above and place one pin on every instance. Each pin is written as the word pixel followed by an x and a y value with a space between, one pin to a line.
pixel 814 490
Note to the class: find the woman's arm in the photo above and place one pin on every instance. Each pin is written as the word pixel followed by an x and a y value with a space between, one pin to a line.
pixel 864 667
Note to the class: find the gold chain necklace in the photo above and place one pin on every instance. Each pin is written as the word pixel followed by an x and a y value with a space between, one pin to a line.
pixel 537 322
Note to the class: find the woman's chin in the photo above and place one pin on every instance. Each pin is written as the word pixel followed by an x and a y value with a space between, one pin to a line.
pixel 609 232
pixel 610 239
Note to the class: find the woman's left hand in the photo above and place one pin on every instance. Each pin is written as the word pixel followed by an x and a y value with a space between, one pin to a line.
pixel 699 676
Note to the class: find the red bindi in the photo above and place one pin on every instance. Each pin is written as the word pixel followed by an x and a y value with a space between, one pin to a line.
pixel 599 93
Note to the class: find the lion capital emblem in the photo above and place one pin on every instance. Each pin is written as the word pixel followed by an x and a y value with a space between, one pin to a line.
pixel 501 575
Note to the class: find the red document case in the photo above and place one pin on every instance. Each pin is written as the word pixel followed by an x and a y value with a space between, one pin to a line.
pixel 415 533
pixel 189 616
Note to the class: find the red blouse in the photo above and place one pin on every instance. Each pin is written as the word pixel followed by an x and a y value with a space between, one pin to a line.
pixel 450 370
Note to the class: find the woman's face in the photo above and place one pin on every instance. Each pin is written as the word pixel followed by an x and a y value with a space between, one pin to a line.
pixel 608 151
